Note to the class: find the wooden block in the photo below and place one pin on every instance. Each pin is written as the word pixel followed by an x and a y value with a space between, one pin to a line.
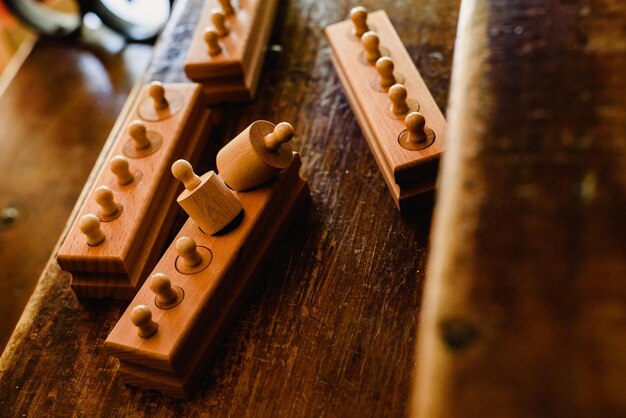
pixel 233 74
pixel 206 199
pixel 135 237
pixel 171 361
pixel 98 286
pixel 407 172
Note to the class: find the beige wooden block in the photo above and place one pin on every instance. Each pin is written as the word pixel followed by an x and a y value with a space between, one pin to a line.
pixel 207 200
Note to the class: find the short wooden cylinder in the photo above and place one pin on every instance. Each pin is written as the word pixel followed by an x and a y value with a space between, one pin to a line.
pixel 212 205
pixel 246 163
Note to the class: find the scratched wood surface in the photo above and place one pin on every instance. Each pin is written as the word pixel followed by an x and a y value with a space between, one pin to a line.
pixel 525 301
pixel 54 119
pixel 330 330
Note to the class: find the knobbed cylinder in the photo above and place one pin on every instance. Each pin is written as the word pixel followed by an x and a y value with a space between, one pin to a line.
pixel 256 155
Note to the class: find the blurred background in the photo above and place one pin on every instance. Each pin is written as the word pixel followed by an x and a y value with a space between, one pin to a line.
pixel 12 35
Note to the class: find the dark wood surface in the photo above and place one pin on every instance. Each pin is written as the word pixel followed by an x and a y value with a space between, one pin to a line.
pixel 54 118
pixel 525 302
pixel 331 329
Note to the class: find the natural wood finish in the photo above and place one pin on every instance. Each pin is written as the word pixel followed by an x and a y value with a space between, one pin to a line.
pixel 166 295
pixel 210 203
pixel 227 7
pixel 89 225
pixel 133 239
pixel 170 360
pixel 329 329
pixel 256 155
pixel 141 317
pixel 358 16
pixel 120 167
pixel 229 66
pixel 525 299
pixel 408 173
pixel 48 146
pixel 218 20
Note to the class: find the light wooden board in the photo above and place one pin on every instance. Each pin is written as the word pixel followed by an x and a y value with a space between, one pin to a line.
pixel 233 75
pixel 135 238
pixel 407 173
pixel 170 360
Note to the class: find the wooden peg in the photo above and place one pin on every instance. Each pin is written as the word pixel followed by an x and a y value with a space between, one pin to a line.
pixel 398 96
pixel 161 285
pixel 119 166
pixel 188 334
pixel 227 7
pixel 385 67
pixel 138 132
pixel 157 92
pixel 108 206
pixel 188 251
pixel 415 124
pixel 358 15
pixel 211 38
pixel 218 19
pixel 143 189
pixel 207 200
pixel 371 44
pixel 183 171
pixel 256 155
pixel 283 132
pixel 141 317
pixel 90 226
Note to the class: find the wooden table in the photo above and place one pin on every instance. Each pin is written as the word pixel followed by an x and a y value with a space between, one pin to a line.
pixel 331 329
pixel 55 115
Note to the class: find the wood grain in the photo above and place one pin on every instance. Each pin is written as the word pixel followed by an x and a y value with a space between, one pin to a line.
pixel 238 66
pixel 330 329
pixel 171 361
pixel 525 300
pixel 407 173
pixel 48 146
pixel 134 240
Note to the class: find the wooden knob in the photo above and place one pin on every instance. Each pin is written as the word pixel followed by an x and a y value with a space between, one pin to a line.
pixel 256 155
pixel 157 92
pixel 282 133
pixel 218 19
pixel 227 7
pixel 119 166
pixel 358 15
pixel 138 132
pixel 211 39
pixel 371 44
pixel 188 250
pixel 106 200
pixel 385 67
pixel 90 226
pixel 161 285
pixel 415 124
pixel 398 96
pixel 141 317
pixel 183 171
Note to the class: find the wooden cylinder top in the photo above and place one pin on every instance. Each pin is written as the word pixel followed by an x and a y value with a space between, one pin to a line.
pixel 265 135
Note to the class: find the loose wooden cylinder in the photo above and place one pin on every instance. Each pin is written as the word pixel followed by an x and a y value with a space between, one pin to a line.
pixel 211 204
pixel 246 162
